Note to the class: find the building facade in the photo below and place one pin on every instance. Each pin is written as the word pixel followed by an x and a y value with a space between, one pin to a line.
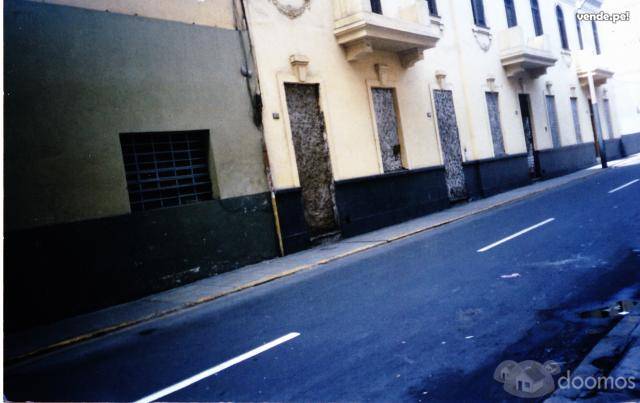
pixel 154 142
pixel 133 163
pixel 620 47
pixel 422 103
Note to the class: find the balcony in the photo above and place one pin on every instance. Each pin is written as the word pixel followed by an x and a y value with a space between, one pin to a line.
pixel 524 57
pixel 407 31
pixel 587 64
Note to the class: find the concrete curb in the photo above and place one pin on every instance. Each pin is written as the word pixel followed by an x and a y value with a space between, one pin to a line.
pixel 500 201
pixel 614 344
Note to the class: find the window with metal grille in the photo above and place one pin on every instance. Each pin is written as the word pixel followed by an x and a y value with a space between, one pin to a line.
pixel 166 169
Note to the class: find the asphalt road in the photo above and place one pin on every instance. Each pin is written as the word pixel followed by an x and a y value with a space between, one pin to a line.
pixel 425 318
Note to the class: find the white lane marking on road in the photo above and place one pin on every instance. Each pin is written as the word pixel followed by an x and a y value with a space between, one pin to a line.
pixel 517 234
pixel 220 367
pixel 624 186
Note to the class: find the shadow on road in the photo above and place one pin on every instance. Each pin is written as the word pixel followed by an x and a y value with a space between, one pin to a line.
pixel 563 334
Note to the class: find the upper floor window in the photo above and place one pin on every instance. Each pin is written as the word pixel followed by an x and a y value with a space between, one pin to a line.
pixel 433 8
pixel 537 22
pixel 512 20
pixel 477 7
pixel 579 33
pixel 596 39
pixel 561 27
pixel 376 7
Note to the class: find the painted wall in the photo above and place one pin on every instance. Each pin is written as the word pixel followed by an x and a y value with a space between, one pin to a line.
pixel 82 266
pixel 76 78
pixel 468 56
pixel 345 93
pixel 620 46
pixel 477 65
pixel 213 13
pixel 480 65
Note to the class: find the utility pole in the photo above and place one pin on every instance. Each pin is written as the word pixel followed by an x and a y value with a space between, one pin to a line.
pixel 594 106
pixel 596 120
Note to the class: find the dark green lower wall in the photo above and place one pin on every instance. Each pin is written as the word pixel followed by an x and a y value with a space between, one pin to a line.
pixel 564 160
pixel 63 270
pixel 294 230
pixel 490 176
pixel 614 149
pixel 369 203
pixel 630 144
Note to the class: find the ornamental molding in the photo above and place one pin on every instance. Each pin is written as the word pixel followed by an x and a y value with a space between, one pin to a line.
pixel 299 64
pixel 290 11
pixel 483 38
pixel 566 57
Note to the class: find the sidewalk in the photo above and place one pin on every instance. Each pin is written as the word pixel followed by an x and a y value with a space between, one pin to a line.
pixel 48 338
pixel 618 356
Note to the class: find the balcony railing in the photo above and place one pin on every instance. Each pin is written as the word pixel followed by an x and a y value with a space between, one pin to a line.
pixel 587 64
pixel 407 31
pixel 524 57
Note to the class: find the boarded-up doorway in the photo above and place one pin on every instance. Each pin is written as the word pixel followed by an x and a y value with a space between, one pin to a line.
pixel 576 119
pixel 312 158
pixel 552 115
pixel 493 107
pixel 607 116
pixel 450 142
pixel 387 124
pixel 527 125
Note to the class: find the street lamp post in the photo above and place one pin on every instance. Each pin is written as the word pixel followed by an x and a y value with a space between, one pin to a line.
pixel 596 120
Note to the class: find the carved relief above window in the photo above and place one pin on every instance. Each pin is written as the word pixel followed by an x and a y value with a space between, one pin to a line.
pixel 483 37
pixel 292 11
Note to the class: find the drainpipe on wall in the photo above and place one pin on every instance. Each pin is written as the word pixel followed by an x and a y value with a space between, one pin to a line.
pixel 253 87
pixel 596 120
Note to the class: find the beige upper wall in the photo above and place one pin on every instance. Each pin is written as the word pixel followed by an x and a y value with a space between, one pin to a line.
pixel 468 58
pixel 478 65
pixel 621 48
pixel 214 13
pixel 344 89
